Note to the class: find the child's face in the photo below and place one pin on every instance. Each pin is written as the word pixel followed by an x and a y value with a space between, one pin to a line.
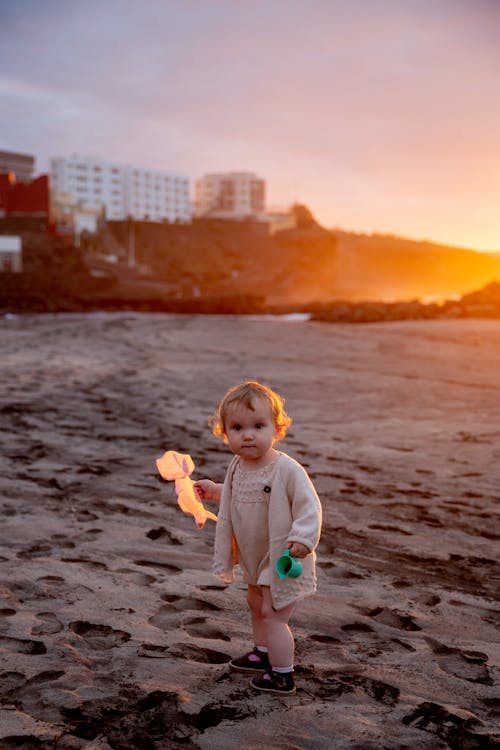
pixel 251 432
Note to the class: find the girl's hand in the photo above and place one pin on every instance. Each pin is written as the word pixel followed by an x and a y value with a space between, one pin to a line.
pixel 207 490
pixel 297 549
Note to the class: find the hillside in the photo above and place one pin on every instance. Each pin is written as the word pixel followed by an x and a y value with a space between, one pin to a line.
pixel 303 265
pixel 391 268
pixel 223 266
pixel 213 258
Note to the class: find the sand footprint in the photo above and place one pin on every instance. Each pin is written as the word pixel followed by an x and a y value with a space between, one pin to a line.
pixel 380 691
pixel 153 650
pixel 160 566
pixel 390 528
pixel 199 654
pixel 174 604
pixel 89 535
pixel 389 617
pixel 40 549
pixel 17 687
pixel 458 729
pixel 49 587
pixel 330 685
pixel 162 619
pixel 356 627
pixel 182 603
pixel 22 646
pixel 85 562
pixel 140 579
pixel 160 533
pixel 5 613
pixel 198 628
pixel 86 515
pixel 10 681
pixel 466 665
pixel 99 637
pixel 403 645
pixel 51 580
pixel 48 626
pixel 429 600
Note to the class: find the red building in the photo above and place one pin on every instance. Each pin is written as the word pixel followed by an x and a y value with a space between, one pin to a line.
pixel 21 198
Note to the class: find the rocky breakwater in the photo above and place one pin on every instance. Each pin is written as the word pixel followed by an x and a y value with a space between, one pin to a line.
pixel 484 303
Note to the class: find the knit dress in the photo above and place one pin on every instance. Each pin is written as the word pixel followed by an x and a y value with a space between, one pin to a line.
pixel 249 517
pixel 283 507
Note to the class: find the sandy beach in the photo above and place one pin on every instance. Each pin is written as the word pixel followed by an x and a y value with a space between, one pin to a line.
pixel 114 633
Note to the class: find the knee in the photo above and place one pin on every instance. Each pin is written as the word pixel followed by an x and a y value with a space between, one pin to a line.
pixel 268 612
pixel 254 601
pixel 272 615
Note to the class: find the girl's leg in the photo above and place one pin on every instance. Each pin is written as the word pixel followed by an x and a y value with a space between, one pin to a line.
pixel 255 602
pixel 254 661
pixel 279 638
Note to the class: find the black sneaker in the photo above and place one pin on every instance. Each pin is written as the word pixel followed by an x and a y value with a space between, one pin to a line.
pixel 274 682
pixel 255 661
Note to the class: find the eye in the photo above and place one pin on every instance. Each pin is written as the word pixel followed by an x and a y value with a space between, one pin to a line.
pixel 259 426
pixel 236 427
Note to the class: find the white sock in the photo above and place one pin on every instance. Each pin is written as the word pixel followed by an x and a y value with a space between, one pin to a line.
pixel 283 670
pixel 263 649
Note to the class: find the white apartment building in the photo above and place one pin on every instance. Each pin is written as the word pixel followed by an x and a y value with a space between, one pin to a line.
pixel 121 190
pixel 230 195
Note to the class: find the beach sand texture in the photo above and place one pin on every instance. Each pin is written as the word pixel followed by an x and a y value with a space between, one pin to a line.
pixel 113 632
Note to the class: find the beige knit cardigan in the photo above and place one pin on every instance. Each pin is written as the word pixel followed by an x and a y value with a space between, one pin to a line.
pixel 294 516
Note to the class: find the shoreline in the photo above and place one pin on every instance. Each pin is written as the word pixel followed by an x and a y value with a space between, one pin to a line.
pixel 483 303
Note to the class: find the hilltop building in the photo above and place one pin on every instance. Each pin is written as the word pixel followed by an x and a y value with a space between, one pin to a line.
pixel 280 219
pixel 230 195
pixel 90 184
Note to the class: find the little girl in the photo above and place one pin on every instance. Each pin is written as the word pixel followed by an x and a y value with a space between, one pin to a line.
pixel 267 504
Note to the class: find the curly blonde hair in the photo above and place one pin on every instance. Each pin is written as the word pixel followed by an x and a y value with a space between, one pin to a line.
pixel 244 394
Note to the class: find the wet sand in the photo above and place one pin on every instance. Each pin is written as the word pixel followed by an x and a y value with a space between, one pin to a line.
pixel 113 632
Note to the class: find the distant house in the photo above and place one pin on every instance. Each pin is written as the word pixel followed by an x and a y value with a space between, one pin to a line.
pixel 280 219
pixel 20 165
pixel 70 220
pixel 11 254
pixel 230 195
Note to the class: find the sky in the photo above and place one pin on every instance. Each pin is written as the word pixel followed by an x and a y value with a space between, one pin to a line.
pixel 382 116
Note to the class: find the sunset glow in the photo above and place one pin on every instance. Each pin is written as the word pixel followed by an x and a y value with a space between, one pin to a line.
pixel 381 117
